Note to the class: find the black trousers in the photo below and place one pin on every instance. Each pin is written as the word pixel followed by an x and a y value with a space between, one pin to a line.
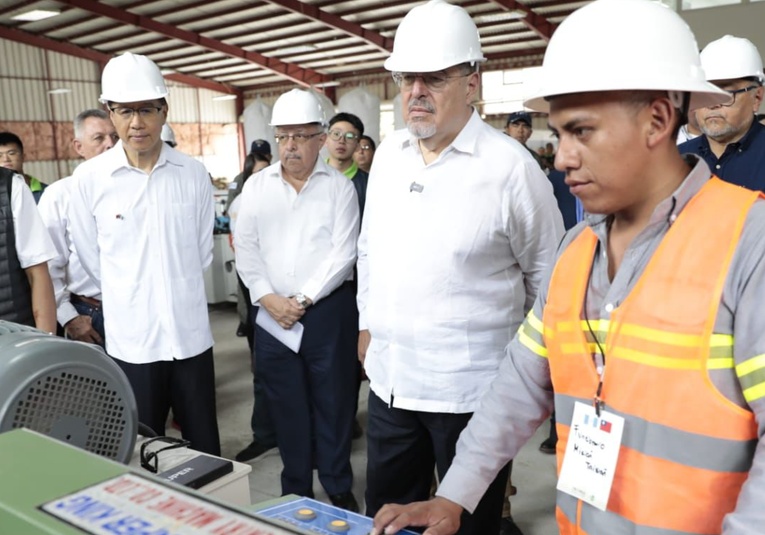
pixel 311 394
pixel 403 449
pixel 188 387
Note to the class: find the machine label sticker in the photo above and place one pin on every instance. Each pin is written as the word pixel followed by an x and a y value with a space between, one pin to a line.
pixel 591 454
pixel 130 504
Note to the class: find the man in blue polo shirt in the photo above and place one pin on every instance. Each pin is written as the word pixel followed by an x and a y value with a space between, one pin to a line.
pixel 733 144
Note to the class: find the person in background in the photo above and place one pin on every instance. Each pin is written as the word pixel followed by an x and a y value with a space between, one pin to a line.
pixel 295 250
pixel 26 291
pixel 460 220
pixel 518 127
pixel 343 138
pixel 263 432
pixel 365 153
pixel 12 157
pixel 260 157
pixel 142 220
pixel 649 324
pixel 168 136
pixel 78 298
pixel 733 144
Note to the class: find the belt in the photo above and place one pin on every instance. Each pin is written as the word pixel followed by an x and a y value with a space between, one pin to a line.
pixel 87 300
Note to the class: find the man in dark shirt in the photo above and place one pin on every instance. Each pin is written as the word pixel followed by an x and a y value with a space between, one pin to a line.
pixel 733 144
pixel 345 131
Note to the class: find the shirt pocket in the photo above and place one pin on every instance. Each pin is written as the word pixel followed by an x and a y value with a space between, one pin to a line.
pixel 182 234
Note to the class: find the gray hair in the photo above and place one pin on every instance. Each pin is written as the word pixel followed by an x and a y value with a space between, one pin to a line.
pixel 83 116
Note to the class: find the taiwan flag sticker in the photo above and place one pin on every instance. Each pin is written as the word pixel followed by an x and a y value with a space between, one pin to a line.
pixel 605 425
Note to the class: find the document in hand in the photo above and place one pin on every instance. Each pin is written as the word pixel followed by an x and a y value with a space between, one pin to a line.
pixel 289 337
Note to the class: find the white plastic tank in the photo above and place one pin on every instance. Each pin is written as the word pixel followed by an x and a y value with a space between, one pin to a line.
pixel 366 107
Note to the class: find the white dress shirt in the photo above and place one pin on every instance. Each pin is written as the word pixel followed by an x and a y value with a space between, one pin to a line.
pixel 450 258
pixel 289 242
pixel 33 245
pixel 146 240
pixel 66 271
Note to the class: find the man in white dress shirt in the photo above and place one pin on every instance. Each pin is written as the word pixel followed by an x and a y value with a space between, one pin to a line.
pixel 460 221
pixel 142 222
pixel 78 299
pixel 295 250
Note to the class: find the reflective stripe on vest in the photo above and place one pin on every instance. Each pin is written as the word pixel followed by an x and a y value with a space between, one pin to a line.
pixel 686 450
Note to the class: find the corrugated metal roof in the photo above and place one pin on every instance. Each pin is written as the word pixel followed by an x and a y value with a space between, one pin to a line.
pixel 314 41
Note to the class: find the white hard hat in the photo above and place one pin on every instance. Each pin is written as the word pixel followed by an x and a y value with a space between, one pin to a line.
pixel 167 135
pixel 613 45
pixel 131 78
pixel 434 36
pixel 297 106
pixel 730 58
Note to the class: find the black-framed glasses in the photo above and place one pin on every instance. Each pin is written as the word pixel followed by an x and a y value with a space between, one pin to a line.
pixel 735 92
pixel 434 81
pixel 300 139
pixel 150 457
pixel 365 147
pixel 337 135
pixel 144 112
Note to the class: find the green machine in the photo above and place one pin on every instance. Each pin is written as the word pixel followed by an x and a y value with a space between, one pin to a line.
pixel 49 487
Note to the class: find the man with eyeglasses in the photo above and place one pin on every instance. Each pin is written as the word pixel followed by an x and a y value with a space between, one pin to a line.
pixel 295 250
pixel 460 222
pixel 345 130
pixel 78 299
pixel 12 157
pixel 142 223
pixel 733 142
pixel 365 153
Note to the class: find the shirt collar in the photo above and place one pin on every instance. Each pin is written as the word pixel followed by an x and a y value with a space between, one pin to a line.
pixel 320 168
pixel 741 144
pixel 466 141
pixel 115 158
pixel 351 171
pixel 670 208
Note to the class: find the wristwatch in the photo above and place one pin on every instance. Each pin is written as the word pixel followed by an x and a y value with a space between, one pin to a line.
pixel 302 300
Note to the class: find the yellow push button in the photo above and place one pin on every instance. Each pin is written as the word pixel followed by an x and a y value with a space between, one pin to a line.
pixel 339 526
pixel 305 514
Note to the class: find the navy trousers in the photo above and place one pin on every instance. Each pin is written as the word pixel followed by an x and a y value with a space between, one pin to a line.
pixel 96 317
pixel 311 394
pixel 188 387
pixel 404 446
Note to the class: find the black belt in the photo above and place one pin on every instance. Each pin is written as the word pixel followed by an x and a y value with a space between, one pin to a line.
pixel 87 300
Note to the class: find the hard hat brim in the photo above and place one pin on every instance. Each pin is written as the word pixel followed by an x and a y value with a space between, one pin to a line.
pixel 703 94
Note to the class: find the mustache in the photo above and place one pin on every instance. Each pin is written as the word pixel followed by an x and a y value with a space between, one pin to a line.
pixel 421 103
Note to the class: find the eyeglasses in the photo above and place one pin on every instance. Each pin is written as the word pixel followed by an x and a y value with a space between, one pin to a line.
pixel 150 458
pixel 365 147
pixel 434 81
pixel 146 112
pixel 337 135
pixel 300 139
pixel 735 92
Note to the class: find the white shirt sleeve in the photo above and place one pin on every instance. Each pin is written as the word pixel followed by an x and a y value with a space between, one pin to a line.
pixel 248 257
pixel 33 244
pixel 335 268
pixel 84 229
pixel 206 224
pixel 362 268
pixel 534 225
pixel 52 211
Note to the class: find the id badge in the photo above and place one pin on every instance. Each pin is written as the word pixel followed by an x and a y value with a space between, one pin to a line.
pixel 591 455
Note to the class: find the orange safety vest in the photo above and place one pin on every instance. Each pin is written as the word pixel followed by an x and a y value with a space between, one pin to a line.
pixel 686 450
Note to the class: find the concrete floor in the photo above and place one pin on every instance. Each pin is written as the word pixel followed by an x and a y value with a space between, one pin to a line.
pixel 533 472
